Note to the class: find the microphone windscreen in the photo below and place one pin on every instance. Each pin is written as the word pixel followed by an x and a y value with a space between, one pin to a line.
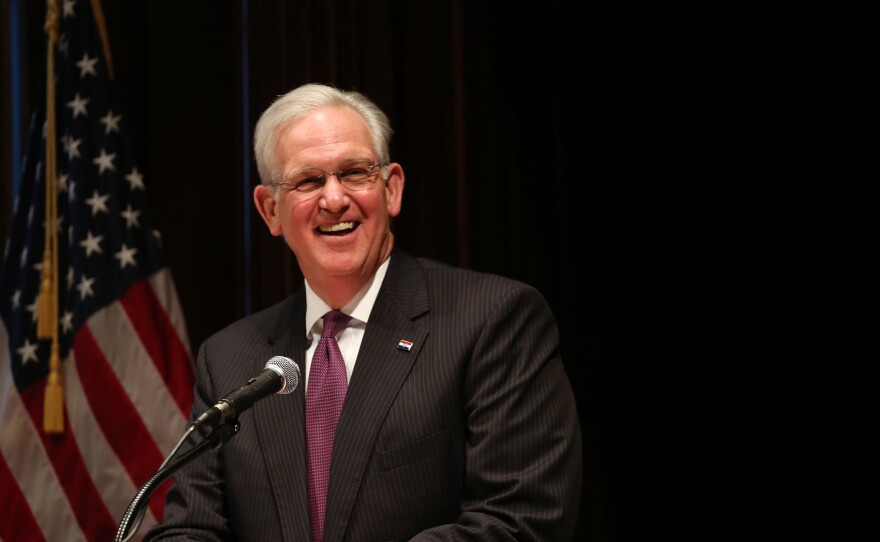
pixel 288 370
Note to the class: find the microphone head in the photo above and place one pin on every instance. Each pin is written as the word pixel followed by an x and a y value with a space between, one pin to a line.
pixel 288 370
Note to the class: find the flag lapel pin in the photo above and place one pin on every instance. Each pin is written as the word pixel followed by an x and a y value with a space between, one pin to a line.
pixel 404 345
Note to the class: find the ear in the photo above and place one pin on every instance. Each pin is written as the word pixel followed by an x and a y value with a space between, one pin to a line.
pixel 264 199
pixel 394 189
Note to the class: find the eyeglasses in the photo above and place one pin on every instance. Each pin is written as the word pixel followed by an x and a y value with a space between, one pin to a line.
pixel 356 177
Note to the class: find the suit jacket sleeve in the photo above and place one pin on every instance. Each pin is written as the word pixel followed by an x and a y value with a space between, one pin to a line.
pixel 523 449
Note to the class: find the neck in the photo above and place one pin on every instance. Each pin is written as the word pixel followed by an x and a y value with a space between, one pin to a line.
pixel 338 291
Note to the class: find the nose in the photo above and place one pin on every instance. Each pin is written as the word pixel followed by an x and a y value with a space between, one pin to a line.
pixel 333 196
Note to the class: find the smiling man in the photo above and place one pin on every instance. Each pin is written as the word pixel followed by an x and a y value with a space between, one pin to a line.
pixel 338 224
pixel 435 404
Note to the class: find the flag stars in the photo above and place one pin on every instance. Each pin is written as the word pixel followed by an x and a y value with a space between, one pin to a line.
pixel 92 244
pixel 85 287
pixel 111 122
pixel 87 66
pixel 68 8
pixel 28 352
pixel 131 217
pixel 135 179
pixel 32 308
pixel 62 182
pixel 67 321
pixel 126 256
pixel 78 105
pixel 71 146
pixel 98 203
pixel 105 162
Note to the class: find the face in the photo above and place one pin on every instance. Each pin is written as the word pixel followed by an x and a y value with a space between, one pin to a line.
pixel 335 233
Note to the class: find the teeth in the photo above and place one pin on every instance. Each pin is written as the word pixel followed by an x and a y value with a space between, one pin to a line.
pixel 337 227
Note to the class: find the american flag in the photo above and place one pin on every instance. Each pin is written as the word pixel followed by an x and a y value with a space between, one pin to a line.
pixel 125 363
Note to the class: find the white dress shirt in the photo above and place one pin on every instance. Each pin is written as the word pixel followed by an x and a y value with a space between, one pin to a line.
pixel 350 338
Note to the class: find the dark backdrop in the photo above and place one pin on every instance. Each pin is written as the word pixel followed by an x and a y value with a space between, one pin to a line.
pixel 640 163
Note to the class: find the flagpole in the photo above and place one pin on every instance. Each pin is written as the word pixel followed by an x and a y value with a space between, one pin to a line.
pixel 98 12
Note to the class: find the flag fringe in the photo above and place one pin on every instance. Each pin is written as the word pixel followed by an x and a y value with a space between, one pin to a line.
pixel 53 405
pixel 46 297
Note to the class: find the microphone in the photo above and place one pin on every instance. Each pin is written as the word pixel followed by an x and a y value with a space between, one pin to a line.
pixel 280 375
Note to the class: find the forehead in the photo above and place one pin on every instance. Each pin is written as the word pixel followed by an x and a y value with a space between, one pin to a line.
pixel 325 135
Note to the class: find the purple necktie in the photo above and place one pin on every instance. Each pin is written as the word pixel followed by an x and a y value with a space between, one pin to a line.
pixel 324 397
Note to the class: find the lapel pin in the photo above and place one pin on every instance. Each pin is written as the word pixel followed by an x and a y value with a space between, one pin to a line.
pixel 404 345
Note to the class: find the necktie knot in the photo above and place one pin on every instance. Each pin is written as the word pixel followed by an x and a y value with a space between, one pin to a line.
pixel 333 322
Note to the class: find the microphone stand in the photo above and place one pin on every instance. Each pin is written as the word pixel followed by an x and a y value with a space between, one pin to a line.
pixel 134 514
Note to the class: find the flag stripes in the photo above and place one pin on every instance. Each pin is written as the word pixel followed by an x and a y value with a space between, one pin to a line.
pixel 114 412
pixel 120 408
pixel 14 505
pixel 161 342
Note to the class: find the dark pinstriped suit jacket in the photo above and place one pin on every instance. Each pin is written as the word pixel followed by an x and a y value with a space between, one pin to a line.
pixel 470 435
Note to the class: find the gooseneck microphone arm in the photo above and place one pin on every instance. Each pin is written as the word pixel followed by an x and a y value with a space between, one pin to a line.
pixel 134 514
pixel 280 375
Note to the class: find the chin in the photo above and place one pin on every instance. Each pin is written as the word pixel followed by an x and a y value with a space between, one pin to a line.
pixel 339 265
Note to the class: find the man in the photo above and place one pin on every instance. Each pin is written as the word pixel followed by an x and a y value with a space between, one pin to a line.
pixel 458 421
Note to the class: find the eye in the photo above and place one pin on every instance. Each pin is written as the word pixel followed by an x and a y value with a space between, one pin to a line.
pixel 308 184
pixel 355 173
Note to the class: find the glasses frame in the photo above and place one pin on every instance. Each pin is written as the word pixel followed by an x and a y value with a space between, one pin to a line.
pixel 288 187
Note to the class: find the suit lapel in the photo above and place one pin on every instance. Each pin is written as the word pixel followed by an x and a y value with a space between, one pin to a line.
pixel 382 366
pixel 280 427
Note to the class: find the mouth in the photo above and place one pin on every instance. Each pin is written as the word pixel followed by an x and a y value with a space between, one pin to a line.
pixel 341 228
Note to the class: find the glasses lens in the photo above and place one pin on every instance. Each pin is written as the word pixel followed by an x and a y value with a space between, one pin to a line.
pixel 358 177
pixel 307 184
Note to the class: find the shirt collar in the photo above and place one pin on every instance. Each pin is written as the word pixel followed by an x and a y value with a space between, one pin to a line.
pixel 358 308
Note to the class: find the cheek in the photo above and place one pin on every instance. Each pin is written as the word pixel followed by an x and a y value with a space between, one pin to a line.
pixel 293 218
